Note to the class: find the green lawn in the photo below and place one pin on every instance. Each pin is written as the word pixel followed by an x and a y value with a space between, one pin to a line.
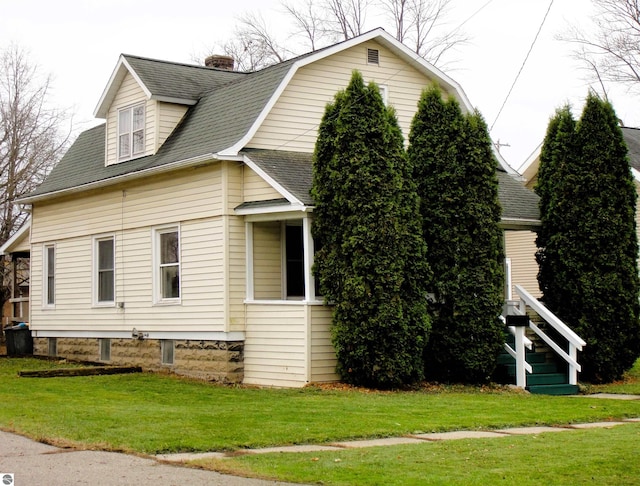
pixel 599 456
pixel 153 413
pixel 157 413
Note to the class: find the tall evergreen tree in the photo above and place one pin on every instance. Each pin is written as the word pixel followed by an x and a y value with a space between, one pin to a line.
pixel 556 157
pixel 456 172
pixel 589 272
pixel 371 262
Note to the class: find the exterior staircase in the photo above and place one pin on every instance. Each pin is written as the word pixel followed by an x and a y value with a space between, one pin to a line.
pixel 540 350
pixel 547 377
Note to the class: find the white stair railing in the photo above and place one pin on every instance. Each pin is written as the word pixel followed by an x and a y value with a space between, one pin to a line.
pixel 575 342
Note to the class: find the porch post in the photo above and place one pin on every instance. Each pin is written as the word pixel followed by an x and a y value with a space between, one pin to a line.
pixel 521 375
pixel 309 284
pixel 573 372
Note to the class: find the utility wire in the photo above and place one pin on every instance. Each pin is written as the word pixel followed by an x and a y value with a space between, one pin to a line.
pixel 522 66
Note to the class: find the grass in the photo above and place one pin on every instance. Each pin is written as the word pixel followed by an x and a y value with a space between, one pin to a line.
pixel 630 383
pixel 603 457
pixel 151 413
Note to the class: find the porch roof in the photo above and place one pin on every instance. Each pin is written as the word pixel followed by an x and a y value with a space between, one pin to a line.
pixel 293 171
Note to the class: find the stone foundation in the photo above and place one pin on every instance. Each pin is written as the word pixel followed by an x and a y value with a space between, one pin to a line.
pixel 219 361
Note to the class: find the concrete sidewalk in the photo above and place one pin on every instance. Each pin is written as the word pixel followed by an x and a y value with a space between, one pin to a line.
pixel 391 441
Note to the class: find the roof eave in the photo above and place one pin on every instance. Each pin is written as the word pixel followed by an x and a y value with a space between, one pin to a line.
pixel 16 237
pixel 129 176
pixel 391 43
pixel 520 224
pixel 120 71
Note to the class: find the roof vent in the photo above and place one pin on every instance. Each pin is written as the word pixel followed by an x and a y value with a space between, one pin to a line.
pixel 219 62
pixel 373 56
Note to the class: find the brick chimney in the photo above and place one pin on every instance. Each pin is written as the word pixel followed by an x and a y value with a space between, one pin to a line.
pixel 219 62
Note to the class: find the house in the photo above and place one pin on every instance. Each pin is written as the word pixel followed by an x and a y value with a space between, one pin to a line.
pixel 177 233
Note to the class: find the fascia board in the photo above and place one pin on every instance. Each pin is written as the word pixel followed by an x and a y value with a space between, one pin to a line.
pixel 120 71
pixel 178 101
pixel 636 174
pixel 193 161
pixel 519 223
pixel 268 213
pixel 272 182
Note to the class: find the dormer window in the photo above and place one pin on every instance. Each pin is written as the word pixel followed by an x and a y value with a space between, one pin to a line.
pixel 130 132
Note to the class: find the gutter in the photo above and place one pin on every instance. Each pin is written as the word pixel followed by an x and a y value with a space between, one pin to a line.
pixel 519 223
pixel 161 169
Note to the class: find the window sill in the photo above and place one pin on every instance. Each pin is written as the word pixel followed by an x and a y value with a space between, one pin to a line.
pixel 283 302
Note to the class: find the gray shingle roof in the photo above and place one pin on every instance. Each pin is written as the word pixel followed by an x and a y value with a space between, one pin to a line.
pixel 293 171
pixel 175 80
pixel 221 118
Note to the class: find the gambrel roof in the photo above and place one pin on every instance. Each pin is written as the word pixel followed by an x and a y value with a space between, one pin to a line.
pixel 226 109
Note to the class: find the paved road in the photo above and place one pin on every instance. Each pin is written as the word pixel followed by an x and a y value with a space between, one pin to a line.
pixel 35 464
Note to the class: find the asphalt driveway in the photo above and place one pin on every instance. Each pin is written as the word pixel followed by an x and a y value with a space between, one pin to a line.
pixel 34 464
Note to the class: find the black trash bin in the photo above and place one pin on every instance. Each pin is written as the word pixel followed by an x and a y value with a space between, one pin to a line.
pixel 19 340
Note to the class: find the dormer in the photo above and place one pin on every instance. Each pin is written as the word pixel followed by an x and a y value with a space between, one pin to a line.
pixel 144 101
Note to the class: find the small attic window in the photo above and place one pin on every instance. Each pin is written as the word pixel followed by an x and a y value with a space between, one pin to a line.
pixel 373 56
pixel 130 132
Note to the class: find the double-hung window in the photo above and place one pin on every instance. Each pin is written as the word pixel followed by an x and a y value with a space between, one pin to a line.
pixel 167 264
pixel 49 280
pixel 104 271
pixel 130 132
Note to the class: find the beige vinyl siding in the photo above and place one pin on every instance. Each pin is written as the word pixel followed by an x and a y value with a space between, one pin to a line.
pixel 194 194
pixel 256 188
pixel 129 94
pixel 193 203
pixel 202 285
pixel 237 273
pixel 275 351
pixel 168 117
pixel 236 237
pixel 22 244
pixel 267 261
pixel 293 122
pixel 520 247
pixel 323 356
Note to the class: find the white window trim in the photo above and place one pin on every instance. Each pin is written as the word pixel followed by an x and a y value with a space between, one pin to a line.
pixel 156 231
pixel 384 92
pixel 95 279
pixel 45 275
pixel 131 154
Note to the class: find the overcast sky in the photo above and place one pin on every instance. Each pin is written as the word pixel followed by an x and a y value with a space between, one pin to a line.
pixel 79 41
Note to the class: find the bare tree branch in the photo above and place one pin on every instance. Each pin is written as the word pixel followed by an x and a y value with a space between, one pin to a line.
pixel 308 21
pixel 31 140
pixel 612 52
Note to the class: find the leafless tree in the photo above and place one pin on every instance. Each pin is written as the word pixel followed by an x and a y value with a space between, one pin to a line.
pixel 254 45
pixel 611 51
pixel 421 25
pixel 31 139
pixel 345 18
pixel 309 22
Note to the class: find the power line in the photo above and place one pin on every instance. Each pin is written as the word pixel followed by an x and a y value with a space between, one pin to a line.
pixel 523 64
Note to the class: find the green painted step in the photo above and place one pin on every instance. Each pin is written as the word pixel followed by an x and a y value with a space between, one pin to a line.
pixel 553 389
pixel 530 356
pixel 547 379
pixel 536 367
